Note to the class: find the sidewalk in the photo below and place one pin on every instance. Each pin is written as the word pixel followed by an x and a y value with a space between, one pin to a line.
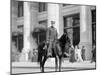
pixel 51 63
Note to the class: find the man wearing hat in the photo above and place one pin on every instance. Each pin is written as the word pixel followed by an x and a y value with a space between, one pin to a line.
pixel 51 38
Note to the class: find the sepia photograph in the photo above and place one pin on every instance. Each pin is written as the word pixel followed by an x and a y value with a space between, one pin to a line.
pixel 52 37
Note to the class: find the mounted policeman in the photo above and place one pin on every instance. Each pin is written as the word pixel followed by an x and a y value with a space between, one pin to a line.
pixel 51 38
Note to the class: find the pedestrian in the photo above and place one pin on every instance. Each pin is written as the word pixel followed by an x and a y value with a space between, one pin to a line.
pixel 78 53
pixel 83 53
pixel 72 54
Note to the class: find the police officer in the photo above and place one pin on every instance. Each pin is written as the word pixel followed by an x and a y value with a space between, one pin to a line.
pixel 51 38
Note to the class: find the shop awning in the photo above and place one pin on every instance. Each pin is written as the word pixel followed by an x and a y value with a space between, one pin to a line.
pixel 40 29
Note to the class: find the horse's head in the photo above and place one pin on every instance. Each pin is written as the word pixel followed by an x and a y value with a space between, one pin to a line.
pixel 64 39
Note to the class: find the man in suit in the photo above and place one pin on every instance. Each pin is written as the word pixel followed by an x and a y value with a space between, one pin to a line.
pixel 51 38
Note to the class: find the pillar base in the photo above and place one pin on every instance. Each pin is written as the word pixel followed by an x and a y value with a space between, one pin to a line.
pixel 23 56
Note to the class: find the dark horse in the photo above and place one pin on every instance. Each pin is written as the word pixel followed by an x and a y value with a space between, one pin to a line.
pixel 58 52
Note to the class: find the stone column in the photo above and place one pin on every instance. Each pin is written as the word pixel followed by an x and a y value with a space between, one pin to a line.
pixel 86 30
pixel 61 22
pixel 34 23
pixel 30 21
pixel 53 15
pixel 27 30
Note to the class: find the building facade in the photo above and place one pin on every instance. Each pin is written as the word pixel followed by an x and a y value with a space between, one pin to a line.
pixel 29 21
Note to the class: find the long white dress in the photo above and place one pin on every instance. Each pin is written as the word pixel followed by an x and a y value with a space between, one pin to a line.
pixel 79 57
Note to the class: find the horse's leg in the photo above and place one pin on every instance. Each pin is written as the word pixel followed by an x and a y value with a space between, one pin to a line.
pixel 43 63
pixel 56 64
pixel 60 61
pixel 41 66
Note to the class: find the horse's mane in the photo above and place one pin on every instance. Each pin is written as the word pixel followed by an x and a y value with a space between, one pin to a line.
pixel 62 39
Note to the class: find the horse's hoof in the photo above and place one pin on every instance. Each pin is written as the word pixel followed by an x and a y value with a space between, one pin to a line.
pixel 42 72
pixel 59 70
pixel 56 71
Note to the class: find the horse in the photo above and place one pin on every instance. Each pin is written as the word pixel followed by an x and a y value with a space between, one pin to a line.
pixel 58 52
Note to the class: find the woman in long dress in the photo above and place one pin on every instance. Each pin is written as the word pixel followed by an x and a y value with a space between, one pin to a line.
pixel 78 54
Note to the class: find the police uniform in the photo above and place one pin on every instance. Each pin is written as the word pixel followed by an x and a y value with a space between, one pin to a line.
pixel 51 37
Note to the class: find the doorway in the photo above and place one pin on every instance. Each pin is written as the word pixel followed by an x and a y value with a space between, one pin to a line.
pixel 72 27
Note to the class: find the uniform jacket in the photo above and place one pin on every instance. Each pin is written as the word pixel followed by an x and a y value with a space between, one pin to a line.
pixel 52 34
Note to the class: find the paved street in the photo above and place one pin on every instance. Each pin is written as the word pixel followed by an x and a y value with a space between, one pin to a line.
pixel 35 70
pixel 28 67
